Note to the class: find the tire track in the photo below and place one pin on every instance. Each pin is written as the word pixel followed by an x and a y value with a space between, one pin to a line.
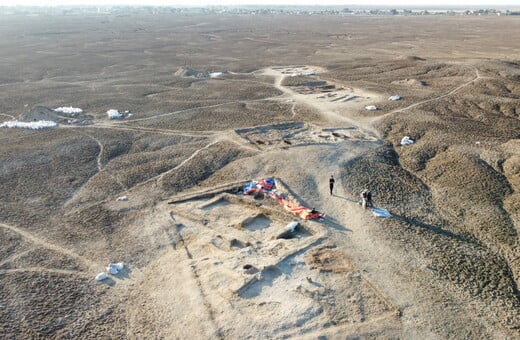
pixel 99 163
pixel 15 256
pixel 153 130
pixel 39 270
pixel 100 153
pixel 51 246
pixel 40 133
pixel 450 93
pixel 5 114
pixel 154 178
pixel 143 129
pixel 192 109
pixel 196 277
pixel 182 111
pixel 178 166
pixel 161 175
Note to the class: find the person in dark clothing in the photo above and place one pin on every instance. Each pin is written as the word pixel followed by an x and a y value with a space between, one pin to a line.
pixel 331 183
pixel 366 199
pixel 369 200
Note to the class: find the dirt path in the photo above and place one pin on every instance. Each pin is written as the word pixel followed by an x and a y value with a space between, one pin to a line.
pixel 93 267
pixel 387 271
pixel 447 94
pixel 185 110
pixel 5 114
pixel 332 112
pixel 99 157
pixel 39 270
pixel 347 227
pixel 116 126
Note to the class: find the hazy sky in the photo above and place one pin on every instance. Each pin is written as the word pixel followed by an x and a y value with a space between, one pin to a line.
pixel 468 3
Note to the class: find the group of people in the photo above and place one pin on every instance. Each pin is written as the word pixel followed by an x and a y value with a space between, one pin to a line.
pixel 366 195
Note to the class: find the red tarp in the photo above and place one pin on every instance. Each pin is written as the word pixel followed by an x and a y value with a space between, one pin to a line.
pixel 267 186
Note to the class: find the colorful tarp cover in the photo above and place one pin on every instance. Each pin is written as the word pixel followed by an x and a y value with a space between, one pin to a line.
pixel 268 187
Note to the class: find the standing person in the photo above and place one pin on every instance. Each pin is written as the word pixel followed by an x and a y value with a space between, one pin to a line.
pixel 369 199
pixel 331 183
pixel 364 198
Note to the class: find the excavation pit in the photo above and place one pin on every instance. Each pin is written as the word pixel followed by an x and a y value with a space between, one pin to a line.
pixel 257 223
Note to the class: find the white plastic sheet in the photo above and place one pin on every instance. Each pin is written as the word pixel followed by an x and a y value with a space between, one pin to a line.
pixel 380 212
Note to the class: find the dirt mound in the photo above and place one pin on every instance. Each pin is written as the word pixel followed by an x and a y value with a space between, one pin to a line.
pixel 44 113
pixel 192 73
pixel 410 82
pixel 329 260
pixel 186 72
pixel 392 187
pixel 40 113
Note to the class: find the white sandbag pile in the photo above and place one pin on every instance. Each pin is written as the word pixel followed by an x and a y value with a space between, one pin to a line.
pixel 41 124
pixel 114 114
pixel 291 226
pixel 68 109
pixel 113 268
pixel 407 140
pixel 101 276
pixel 216 74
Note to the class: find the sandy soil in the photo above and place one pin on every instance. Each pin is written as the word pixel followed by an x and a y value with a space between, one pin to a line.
pixel 202 260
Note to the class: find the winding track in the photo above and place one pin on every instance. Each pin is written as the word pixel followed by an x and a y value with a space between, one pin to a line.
pixel 100 153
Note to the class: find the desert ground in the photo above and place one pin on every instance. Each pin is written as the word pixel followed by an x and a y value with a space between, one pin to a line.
pixel 209 102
